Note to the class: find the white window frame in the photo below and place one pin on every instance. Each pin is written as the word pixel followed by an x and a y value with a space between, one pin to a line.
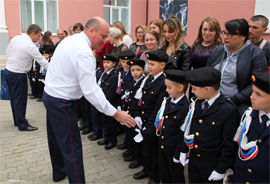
pixel 119 10
pixel 44 14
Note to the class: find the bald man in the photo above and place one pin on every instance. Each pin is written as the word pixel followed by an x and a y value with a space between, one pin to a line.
pixel 63 85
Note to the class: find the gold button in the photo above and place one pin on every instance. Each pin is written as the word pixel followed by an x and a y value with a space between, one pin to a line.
pixel 103 81
pixel 197 134
pixel 123 81
pixel 142 112
pixel 107 84
pixel 198 155
pixel 128 107
pixel 249 170
pixel 259 141
pixel 121 89
pixel 174 117
pixel 162 147
pixel 163 127
pixel 123 105
pixel 162 137
pixel 166 117
pixel 247 182
pixel 131 91
pixel 129 99
pixel 228 99
pixel 144 92
pixel 152 92
pixel 144 120
pixel 200 121
pixel 196 146
pixel 213 123
pixel 142 102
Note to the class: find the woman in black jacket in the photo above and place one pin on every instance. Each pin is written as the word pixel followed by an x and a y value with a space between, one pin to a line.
pixel 173 44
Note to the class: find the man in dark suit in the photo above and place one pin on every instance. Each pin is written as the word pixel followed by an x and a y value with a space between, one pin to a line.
pixel 209 128
pixel 251 163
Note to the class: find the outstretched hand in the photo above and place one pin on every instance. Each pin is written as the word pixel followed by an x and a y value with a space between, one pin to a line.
pixel 125 119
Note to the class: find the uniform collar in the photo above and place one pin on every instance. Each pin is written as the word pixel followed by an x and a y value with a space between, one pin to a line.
pixel 177 100
pixel 108 72
pixel 212 100
pixel 86 38
pixel 261 113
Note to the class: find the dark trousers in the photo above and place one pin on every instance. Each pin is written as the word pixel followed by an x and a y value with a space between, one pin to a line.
pixel 40 89
pixel 96 121
pixel 130 134
pixel 199 169
pixel 109 128
pixel 150 158
pixel 169 171
pixel 86 112
pixel 34 87
pixel 17 84
pixel 64 139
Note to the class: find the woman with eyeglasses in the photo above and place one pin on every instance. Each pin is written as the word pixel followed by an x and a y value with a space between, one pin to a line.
pixel 237 60
pixel 138 47
pixel 173 44
pixel 208 38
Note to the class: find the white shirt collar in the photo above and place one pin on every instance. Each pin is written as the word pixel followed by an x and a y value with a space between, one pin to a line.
pixel 261 112
pixel 157 75
pixel 178 99
pixel 137 80
pixel 108 72
pixel 211 101
pixel 86 38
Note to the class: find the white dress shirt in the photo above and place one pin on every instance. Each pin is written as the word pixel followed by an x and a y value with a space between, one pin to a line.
pixel 261 112
pixel 20 53
pixel 72 73
pixel 210 101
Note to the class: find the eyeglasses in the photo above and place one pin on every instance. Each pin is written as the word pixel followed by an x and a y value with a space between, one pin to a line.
pixel 139 33
pixel 228 35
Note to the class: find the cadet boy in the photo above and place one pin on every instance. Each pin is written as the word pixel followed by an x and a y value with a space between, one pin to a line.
pixel 124 78
pixel 150 95
pixel 208 129
pixel 251 163
pixel 95 114
pixel 169 119
pixel 131 103
pixel 108 84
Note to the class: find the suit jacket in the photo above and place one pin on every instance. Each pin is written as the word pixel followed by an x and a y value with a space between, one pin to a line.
pixel 213 132
pixel 132 101
pixel 98 73
pixel 109 86
pixel 171 136
pixel 153 94
pixel 257 169
pixel 126 80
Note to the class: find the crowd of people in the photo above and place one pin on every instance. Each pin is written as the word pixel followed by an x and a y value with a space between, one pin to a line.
pixel 191 104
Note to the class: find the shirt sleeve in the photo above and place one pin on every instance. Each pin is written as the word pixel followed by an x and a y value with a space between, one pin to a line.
pixel 85 67
pixel 35 54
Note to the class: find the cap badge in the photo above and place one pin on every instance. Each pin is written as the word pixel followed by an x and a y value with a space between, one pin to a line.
pixel 147 55
pixel 131 62
pixel 126 57
pixel 253 78
pixel 104 57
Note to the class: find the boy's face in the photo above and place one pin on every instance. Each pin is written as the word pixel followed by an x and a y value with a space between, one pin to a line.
pixel 173 89
pixel 108 65
pixel 200 92
pixel 260 100
pixel 155 67
pixel 136 71
pixel 46 56
pixel 124 64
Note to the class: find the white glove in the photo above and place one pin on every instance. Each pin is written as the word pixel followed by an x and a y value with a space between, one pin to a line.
pixel 119 108
pixel 215 176
pixel 138 138
pixel 176 161
pixel 183 159
pixel 139 122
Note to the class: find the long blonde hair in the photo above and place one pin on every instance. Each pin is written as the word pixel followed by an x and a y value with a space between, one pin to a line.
pixel 175 26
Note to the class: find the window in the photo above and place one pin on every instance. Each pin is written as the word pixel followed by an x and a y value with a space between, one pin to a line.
pixel 41 12
pixel 117 10
pixel 262 8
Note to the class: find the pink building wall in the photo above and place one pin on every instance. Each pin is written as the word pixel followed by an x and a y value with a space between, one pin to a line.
pixel 73 11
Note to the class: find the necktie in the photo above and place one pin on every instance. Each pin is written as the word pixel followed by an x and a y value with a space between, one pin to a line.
pixel 172 104
pixel 134 82
pixel 264 120
pixel 125 73
pixel 150 78
pixel 206 105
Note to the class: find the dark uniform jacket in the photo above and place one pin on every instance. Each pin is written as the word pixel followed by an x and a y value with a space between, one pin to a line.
pixel 213 132
pixel 126 80
pixel 153 94
pixel 181 60
pixel 257 169
pixel 98 73
pixel 109 86
pixel 171 136
pixel 132 101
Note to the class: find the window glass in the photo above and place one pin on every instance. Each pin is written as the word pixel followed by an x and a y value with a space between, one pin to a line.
pixel 122 3
pixel 26 15
pixel 108 2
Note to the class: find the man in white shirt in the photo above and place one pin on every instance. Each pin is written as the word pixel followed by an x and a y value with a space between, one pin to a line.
pixel 70 76
pixel 20 53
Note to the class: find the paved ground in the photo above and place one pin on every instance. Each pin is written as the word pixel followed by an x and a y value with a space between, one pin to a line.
pixel 24 156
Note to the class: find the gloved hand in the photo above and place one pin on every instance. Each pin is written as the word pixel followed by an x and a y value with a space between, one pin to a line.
pixel 183 159
pixel 215 176
pixel 138 138
pixel 176 161
pixel 119 108
pixel 139 122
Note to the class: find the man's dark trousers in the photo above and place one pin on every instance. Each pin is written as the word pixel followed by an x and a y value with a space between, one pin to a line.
pixel 64 139
pixel 17 84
